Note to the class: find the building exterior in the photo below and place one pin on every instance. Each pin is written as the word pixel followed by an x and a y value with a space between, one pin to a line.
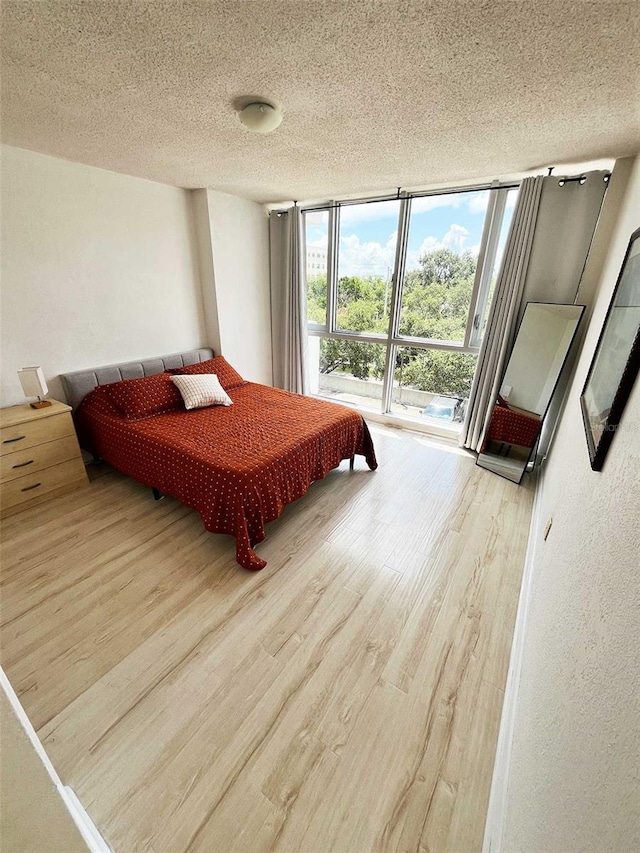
pixel 316 260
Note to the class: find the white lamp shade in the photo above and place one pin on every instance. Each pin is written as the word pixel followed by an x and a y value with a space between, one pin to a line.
pixel 260 117
pixel 32 381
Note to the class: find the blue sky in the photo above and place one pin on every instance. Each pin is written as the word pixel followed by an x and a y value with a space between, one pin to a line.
pixel 368 232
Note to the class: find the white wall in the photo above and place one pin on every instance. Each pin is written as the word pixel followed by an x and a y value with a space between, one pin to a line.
pixel 572 777
pixel 206 266
pixel 97 267
pixel 34 817
pixel 37 812
pixel 240 243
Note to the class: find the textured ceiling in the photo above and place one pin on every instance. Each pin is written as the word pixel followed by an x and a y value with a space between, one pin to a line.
pixel 375 93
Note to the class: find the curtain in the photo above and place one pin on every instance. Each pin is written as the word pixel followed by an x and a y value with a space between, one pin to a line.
pixel 288 301
pixel 503 316
pixel 567 220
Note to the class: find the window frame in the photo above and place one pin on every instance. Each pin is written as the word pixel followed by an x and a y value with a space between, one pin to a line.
pixel 494 218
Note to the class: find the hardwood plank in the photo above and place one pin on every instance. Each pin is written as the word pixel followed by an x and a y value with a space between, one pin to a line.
pixel 221 761
pixel 347 697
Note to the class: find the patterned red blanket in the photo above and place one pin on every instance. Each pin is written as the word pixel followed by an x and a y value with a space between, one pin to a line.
pixel 239 466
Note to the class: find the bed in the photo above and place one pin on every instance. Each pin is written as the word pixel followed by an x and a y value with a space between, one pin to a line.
pixel 237 465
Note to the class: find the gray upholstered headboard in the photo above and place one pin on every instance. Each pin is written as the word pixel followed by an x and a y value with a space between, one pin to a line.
pixel 78 384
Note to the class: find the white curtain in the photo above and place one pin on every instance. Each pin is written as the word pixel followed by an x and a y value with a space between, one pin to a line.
pixel 503 315
pixel 288 301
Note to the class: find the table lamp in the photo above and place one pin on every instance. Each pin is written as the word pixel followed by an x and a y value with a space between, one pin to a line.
pixel 34 385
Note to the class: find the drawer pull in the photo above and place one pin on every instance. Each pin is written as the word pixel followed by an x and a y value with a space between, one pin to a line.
pixel 11 440
pixel 23 464
pixel 28 488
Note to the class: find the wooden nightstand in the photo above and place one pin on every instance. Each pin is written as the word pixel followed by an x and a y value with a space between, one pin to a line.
pixel 39 456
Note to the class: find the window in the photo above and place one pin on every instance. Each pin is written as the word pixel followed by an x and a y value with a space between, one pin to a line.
pixel 346 370
pixel 432 385
pixel 495 259
pixel 440 266
pixel 398 307
pixel 317 251
pixel 366 259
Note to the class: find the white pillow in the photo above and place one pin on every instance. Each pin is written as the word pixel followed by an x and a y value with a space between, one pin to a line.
pixel 201 389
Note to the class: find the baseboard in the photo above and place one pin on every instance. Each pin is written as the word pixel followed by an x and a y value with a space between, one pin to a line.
pixel 87 827
pixel 496 812
pixel 94 841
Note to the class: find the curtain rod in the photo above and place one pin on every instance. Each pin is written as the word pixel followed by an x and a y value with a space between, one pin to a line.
pixel 581 179
pixel 399 196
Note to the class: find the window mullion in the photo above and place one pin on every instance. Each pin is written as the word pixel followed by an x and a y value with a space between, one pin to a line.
pixel 332 267
pixel 472 318
pixel 493 226
pixel 387 386
pixel 399 266
pixel 396 298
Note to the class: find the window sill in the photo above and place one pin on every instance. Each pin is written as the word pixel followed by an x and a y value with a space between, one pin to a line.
pixel 445 430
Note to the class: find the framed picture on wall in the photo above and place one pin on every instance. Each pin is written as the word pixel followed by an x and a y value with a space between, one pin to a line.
pixel 616 360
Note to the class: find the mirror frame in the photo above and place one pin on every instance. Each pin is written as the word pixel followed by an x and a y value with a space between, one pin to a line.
pixel 555 386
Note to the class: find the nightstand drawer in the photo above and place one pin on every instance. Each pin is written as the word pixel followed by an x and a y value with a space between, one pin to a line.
pixel 31 459
pixel 67 474
pixel 32 433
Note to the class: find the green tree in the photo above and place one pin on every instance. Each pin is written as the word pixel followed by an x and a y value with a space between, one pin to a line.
pixel 363 304
pixel 438 371
pixel 436 296
pixel 317 298
pixel 363 361
pixel 435 304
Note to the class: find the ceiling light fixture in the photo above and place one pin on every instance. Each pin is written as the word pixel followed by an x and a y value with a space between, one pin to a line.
pixel 260 117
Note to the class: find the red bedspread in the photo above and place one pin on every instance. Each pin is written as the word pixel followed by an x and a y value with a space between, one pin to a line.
pixel 239 466
pixel 512 427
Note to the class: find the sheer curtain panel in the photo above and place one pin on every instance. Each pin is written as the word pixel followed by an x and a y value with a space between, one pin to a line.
pixel 504 313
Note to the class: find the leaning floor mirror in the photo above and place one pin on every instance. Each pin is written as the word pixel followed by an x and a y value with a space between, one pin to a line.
pixel 539 353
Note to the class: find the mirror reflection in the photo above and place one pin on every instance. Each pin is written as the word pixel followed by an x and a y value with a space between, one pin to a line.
pixel 540 350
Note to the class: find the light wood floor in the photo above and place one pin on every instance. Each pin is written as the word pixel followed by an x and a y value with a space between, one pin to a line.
pixel 345 699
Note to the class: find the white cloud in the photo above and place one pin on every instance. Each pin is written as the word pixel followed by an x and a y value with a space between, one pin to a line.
pixel 366 258
pixel 475 202
pixel 429 244
pixel 424 203
pixel 478 202
pixel 455 238
pixel 350 213
pixel 363 258
pixel 318 218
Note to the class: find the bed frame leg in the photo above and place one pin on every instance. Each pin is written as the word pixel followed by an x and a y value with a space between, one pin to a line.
pixel 351 462
pixel 157 494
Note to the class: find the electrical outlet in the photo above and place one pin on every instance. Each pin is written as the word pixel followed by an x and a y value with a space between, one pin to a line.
pixel 547 528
